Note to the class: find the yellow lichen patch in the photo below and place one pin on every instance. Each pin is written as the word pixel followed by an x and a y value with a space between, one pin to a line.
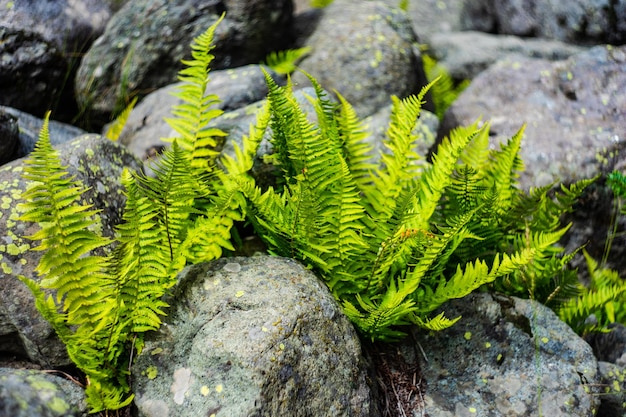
pixel 281 346
pixel 239 293
pixel 156 351
pixel 487 345
pixel 219 388
pixel 472 410
pixel 6 202
pixel 151 372
pixel 205 390
pixel 58 405
pixel 467 335
pixel 616 386
pixel 6 268
pixel 264 329
pixel 90 153
pixel 545 339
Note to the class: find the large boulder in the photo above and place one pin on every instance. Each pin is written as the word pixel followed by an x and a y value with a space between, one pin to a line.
pixel 29 127
pixel 506 357
pixel 41 43
pixel 573 111
pixel 258 336
pixel 576 21
pixel 32 71
pixel 70 25
pixel 366 51
pixel 98 163
pixel 466 54
pixel 144 42
pixel 9 137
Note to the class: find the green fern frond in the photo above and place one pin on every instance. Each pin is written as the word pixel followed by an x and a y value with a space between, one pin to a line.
pixel 437 323
pixel 66 236
pixel 352 135
pixel 578 310
pixel 284 62
pixel 503 168
pixel 436 178
pixel 142 260
pixel 115 129
pixel 444 92
pixel 320 4
pixel 400 165
pixel 192 117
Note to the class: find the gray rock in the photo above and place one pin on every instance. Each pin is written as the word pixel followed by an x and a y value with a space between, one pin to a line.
pixel 32 71
pixel 432 17
pixel 374 54
pixel 466 54
pixel 576 21
pixel 70 25
pixel 257 336
pixel 29 127
pixel 9 137
pixel 506 357
pixel 98 164
pixel 236 88
pixel 574 111
pixel 145 41
pixel 31 393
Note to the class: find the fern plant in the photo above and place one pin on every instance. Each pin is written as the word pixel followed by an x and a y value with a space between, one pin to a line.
pixel 284 62
pixel 378 235
pixel 602 301
pixel 102 304
pixel 445 91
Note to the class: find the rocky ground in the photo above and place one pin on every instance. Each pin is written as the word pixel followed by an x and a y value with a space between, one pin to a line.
pixel 283 347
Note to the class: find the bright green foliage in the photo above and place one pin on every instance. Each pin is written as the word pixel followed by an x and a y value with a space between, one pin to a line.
pixel 395 241
pixel 445 91
pixel 85 288
pixel 284 62
pixel 320 4
pixel 604 298
pixel 193 115
pixel 602 301
pixel 115 129
pixel 182 215
pixel 511 221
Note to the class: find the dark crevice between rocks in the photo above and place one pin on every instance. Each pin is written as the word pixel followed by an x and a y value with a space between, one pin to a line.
pixel 397 384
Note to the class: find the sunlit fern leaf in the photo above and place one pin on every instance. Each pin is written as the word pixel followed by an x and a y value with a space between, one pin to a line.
pixel 172 192
pixel 192 117
pixel 476 153
pixel 115 129
pixel 445 91
pixel 85 304
pixel 142 260
pixel 284 62
pixel 437 323
pixel 244 154
pixel 376 321
pixel 436 178
pixel 503 169
pixel 577 310
pixel 53 200
pixel 356 151
pixel 400 164
pixel 320 4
